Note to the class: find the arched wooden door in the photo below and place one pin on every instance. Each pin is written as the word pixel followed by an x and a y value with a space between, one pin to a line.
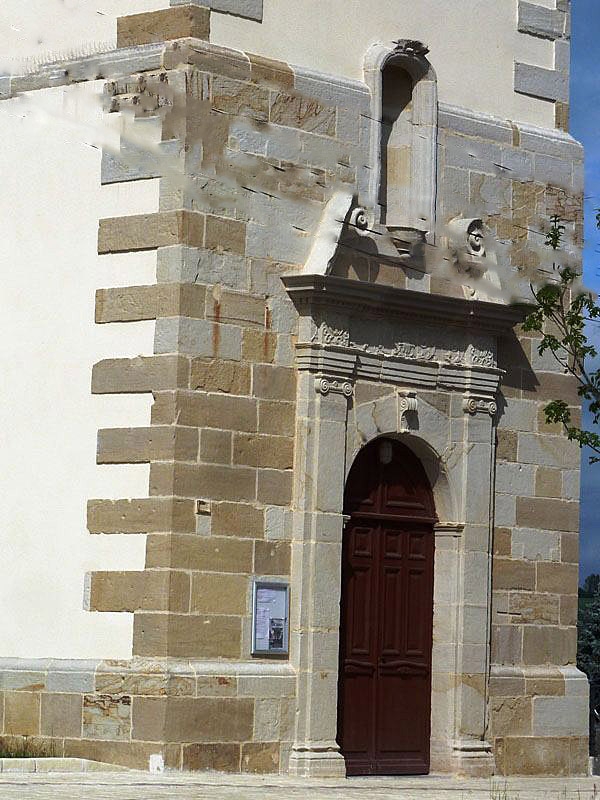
pixel 384 693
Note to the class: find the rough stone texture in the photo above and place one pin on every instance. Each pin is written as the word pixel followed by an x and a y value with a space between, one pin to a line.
pixel 148 231
pixel 158 26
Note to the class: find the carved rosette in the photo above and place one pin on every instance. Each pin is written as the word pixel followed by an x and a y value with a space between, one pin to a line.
pixel 483 405
pixel 324 385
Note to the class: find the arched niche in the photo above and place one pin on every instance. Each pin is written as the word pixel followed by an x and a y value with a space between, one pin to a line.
pixel 403 137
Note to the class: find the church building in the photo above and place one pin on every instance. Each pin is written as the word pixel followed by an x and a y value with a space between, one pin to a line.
pixel 278 490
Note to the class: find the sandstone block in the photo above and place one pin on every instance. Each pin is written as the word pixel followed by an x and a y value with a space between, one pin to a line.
pixel 258 346
pixel 533 755
pixel 304 113
pixel 178 22
pixel 61 715
pixel 511 716
pixel 549 645
pixel 506 449
pixel 214 593
pixel 134 755
pixel 221 757
pixel 229 413
pixel 276 417
pixel 263 451
pixel 106 717
pixel 507 644
pixel 569 548
pixel 150 590
pixel 238 519
pixel 208 481
pixel 513 574
pixel 184 636
pixel 144 515
pixel 22 713
pixel 132 303
pixel 547 513
pixel 149 231
pixel 558 578
pixel 532 544
pixel 569 609
pixel 548 482
pixel 215 375
pixel 267 71
pixel 274 487
pixel 215 446
pixel 236 97
pixel 141 445
pixel 552 385
pixel 141 374
pixel 272 558
pixel 502 541
pixel 273 383
pixel 260 757
pixel 237 307
pixel 199 719
pixel 224 234
pixel 529 607
pixel 548 451
pixel 207 554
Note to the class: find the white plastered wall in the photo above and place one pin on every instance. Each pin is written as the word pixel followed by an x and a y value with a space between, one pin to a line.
pixel 473 43
pixel 50 204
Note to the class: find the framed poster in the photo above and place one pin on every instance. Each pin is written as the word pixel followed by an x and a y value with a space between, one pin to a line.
pixel 270 618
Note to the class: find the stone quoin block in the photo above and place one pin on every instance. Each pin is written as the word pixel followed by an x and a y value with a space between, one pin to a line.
pixel 158 26
pixel 210 554
pixel 144 515
pixel 149 231
pixel 141 374
pixel 151 590
pixel 187 636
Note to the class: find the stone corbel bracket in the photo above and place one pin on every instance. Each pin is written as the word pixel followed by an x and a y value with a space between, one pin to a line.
pixel 407 406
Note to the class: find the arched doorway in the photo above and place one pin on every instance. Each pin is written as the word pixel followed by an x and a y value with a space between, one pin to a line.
pixel 384 695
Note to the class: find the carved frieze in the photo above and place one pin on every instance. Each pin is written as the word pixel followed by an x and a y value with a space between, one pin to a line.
pixel 417 346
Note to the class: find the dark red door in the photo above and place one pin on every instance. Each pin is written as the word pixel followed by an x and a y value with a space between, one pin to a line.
pixel 387 614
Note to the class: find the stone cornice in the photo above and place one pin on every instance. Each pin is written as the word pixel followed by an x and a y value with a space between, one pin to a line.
pixel 312 291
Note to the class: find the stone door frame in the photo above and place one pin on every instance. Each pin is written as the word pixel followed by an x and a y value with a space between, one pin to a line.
pixel 458 454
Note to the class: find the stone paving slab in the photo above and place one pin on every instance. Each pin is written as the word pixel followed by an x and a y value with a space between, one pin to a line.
pixel 198 786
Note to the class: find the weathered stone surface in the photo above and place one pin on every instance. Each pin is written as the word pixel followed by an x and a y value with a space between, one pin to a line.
pixel 549 84
pixel 223 757
pixel 151 590
pixel 549 645
pixel 237 97
pixel 502 542
pixel 207 554
pixel 22 713
pixel 224 235
pixel 548 451
pixel 274 487
pixel 511 716
pixel 148 231
pixel 530 755
pixel 238 519
pixel 210 481
pixel 273 383
pixel 134 755
pixel 258 345
pixel 272 558
pixel 144 515
pixel 106 717
pixel 529 607
pixel 263 451
pixel 276 417
pixel 558 578
pixel 297 111
pixel 61 715
pixel 214 593
pixel 506 449
pixel 547 514
pixel 215 375
pixel 201 719
pixel 540 21
pixel 141 445
pixel 532 544
pixel 513 574
pixel 267 71
pixel 131 303
pixel 158 26
pixel 215 446
pixel 548 482
pixel 260 757
pixel 507 644
pixel 141 374
pixel 183 636
pixel 151 683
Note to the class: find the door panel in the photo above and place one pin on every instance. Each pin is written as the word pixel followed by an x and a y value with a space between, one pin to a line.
pixel 386 619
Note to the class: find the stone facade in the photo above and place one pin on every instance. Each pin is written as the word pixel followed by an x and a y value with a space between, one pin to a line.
pixel 292 328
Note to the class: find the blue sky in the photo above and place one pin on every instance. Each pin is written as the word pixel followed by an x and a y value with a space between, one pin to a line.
pixel 585 126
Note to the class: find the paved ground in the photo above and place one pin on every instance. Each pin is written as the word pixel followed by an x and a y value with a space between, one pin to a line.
pixel 142 786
